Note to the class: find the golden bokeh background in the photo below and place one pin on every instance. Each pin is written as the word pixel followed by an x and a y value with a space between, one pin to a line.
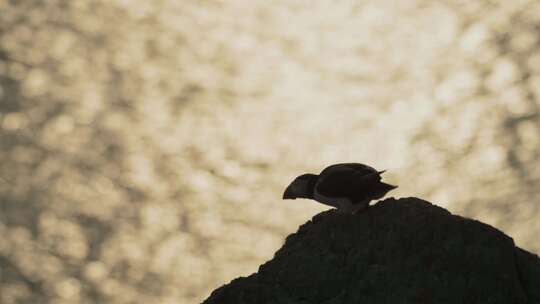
pixel 145 145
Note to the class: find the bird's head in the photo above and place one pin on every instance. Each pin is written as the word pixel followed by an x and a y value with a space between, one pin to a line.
pixel 301 187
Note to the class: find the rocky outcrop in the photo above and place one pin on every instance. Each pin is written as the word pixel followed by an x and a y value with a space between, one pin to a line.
pixel 398 251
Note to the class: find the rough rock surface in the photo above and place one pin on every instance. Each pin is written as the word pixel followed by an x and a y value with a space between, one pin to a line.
pixel 399 251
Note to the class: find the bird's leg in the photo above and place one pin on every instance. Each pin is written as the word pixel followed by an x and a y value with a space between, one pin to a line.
pixel 343 210
pixel 361 206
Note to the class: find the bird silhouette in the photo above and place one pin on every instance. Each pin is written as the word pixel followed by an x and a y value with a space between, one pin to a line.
pixel 348 186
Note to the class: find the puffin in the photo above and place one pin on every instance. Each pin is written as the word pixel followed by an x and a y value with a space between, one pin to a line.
pixel 349 187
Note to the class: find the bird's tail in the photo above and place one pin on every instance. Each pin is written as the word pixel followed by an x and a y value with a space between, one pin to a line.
pixel 385 188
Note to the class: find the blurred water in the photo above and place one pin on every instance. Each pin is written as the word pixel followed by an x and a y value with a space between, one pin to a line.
pixel 145 146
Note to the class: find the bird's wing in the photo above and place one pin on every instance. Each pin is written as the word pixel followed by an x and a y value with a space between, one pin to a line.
pixel 361 169
pixel 344 181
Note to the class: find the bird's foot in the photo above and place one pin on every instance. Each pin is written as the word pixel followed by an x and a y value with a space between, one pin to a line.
pixel 359 210
pixel 359 207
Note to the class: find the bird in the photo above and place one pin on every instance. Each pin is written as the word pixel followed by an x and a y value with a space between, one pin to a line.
pixel 349 187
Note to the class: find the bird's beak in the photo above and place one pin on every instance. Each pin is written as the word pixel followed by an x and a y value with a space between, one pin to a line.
pixel 381 172
pixel 288 194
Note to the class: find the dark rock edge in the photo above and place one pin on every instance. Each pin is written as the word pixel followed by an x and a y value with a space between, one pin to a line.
pixel 477 263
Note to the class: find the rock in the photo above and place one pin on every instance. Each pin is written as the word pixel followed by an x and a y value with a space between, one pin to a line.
pixel 398 251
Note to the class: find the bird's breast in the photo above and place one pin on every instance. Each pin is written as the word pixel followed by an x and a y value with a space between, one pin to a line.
pixel 338 202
